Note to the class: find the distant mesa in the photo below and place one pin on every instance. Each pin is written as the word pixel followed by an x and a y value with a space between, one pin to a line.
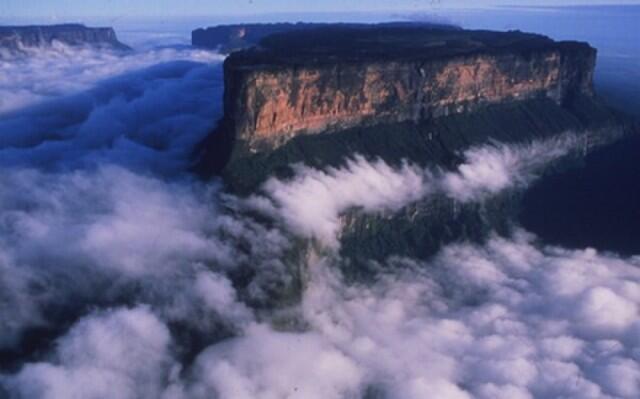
pixel 17 38
pixel 230 38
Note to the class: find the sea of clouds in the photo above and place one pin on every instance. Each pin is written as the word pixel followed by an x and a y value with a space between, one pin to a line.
pixel 113 252
pixel 375 186
pixel 69 108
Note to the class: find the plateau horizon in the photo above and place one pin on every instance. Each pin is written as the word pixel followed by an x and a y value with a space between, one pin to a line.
pixel 117 9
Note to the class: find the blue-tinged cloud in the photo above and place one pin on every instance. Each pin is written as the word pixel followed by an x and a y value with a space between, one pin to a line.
pixel 146 117
pixel 144 283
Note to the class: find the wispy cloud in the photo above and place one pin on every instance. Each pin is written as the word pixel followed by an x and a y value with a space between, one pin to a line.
pixel 312 202
pixel 156 285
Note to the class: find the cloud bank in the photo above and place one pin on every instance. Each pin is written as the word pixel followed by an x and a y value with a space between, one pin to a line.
pixel 312 202
pixel 44 74
pixel 87 107
pixel 139 282
pixel 505 320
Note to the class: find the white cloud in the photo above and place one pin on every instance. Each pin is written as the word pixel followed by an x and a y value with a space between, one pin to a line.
pixel 144 110
pixel 490 169
pixel 105 226
pixel 312 202
pixel 503 335
pixel 505 319
pixel 429 331
pixel 95 236
pixel 119 354
pixel 267 364
pixel 42 74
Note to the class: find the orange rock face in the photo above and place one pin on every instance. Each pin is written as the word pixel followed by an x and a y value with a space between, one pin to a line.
pixel 270 105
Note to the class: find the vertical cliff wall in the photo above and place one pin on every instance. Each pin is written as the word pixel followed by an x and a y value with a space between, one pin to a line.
pixel 317 96
pixel 267 107
pixel 270 98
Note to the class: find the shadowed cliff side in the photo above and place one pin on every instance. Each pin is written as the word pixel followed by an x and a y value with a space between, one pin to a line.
pixel 230 38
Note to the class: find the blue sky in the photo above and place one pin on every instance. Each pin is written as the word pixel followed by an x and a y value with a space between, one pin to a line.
pixel 59 9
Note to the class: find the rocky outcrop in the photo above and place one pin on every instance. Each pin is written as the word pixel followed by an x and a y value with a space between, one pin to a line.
pixel 15 38
pixel 333 79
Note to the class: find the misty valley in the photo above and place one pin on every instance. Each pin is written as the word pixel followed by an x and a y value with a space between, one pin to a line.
pixel 372 206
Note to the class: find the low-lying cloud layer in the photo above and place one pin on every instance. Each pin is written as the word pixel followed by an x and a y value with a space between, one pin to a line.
pixel 505 320
pixel 130 269
pixel 86 107
pixel 311 203
pixel 44 74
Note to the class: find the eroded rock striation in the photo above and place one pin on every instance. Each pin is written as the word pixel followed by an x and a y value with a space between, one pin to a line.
pixel 332 79
pixel 15 38
pixel 403 94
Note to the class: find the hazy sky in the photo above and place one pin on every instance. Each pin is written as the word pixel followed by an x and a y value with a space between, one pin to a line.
pixel 59 9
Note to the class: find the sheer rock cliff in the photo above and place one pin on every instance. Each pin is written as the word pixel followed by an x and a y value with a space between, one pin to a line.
pixel 402 94
pixel 333 79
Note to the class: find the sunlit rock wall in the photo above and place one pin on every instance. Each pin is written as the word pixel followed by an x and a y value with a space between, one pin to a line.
pixel 267 105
